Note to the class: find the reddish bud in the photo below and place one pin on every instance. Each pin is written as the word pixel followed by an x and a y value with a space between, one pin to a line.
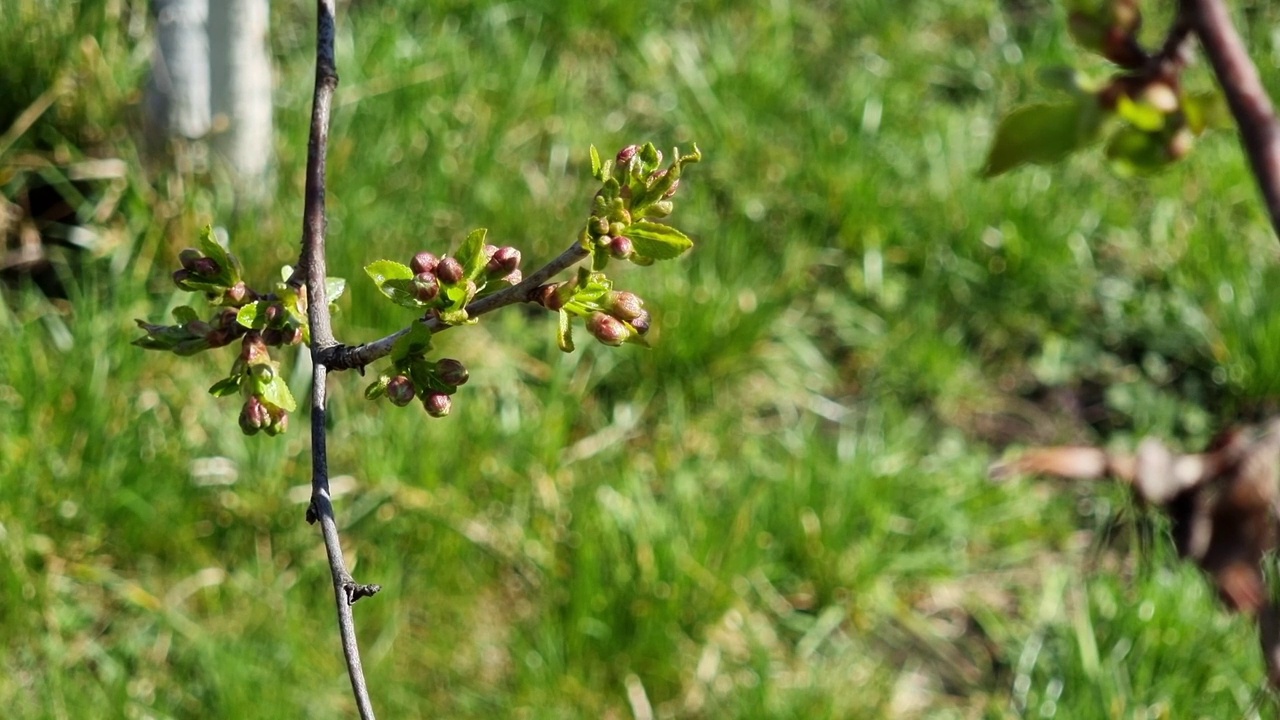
pixel 607 329
pixel 437 404
pixel 452 372
pixel 552 297
pixel 254 415
pixel 238 294
pixel 180 278
pixel 279 422
pixel 274 313
pixel 626 153
pixel 206 267
pixel 621 247
pixel 503 261
pixel 449 271
pixel 273 337
pixel 489 250
pixel 400 390
pixel 253 349
pixel 641 323
pixel 514 278
pixel 424 262
pixel 425 287
pixel 623 305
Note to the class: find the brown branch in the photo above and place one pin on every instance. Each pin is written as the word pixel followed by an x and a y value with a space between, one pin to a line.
pixel 1211 22
pixel 346 357
pixel 312 267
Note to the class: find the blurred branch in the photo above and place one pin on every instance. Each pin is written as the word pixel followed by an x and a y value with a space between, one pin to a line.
pixel 312 266
pixel 1248 100
pixel 346 357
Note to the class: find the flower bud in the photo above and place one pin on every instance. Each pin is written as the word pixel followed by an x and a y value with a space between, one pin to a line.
pixel 262 372
pixel 188 257
pixel 623 305
pixel 451 372
pixel 253 349
pixel 503 261
pixel 424 262
pixel 425 287
pixel 400 390
pixel 607 329
pixel 514 278
pixel 254 415
pixel 295 336
pixel 552 297
pixel 437 404
pixel 273 337
pixel 626 153
pixel 660 209
pixel 671 191
pixel 488 250
pixel 599 226
pixel 181 278
pixel 641 323
pixel 279 422
pixel 620 246
pixel 206 267
pixel 449 271
pixel 237 294
pixel 274 313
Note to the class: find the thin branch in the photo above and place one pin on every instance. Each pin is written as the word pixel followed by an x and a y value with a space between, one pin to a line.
pixel 345 357
pixel 1246 97
pixel 312 265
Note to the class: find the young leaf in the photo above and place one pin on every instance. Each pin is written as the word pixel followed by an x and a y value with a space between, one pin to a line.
pixel 276 392
pixel 227 386
pixel 660 242
pixel 185 314
pixel 471 254
pixel 1041 134
pixel 1139 114
pixel 415 342
pixel 564 334
pixel 253 315
pixel 595 164
pixel 394 280
pixel 333 288
pixel 377 388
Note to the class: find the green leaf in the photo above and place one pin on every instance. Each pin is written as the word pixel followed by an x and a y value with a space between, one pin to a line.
pixel 286 272
pixel 334 287
pixel 1042 134
pixel 276 392
pixel 660 242
pixel 377 388
pixel 394 280
pixel 595 164
pixel 253 315
pixel 471 254
pixel 1139 114
pixel 227 386
pixel 416 342
pixel 564 334
pixel 1205 110
pixel 1134 152
pixel 185 314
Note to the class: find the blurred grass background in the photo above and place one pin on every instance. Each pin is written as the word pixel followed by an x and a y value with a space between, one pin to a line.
pixel 779 511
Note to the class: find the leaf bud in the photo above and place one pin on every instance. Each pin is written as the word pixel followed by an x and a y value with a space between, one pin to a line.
pixel 552 297
pixel 452 372
pixel 660 209
pixel 425 287
pixel 437 404
pixel 424 262
pixel 449 271
pixel 400 390
pixel 607 329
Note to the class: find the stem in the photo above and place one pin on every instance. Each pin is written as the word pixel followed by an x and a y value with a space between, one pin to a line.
pixel 312 264
pixel 1246 97
pixel 344 357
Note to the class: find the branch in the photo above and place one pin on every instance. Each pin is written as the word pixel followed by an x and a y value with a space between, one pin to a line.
pixel 345 357
pixel 1246 97
pixel 312 265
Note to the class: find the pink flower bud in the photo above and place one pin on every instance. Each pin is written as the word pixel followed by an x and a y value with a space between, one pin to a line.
pixel 425 287
pixel 452 372
pixel 503 261
pixel 400 390
pixel 621 247
pixel 437 404
pixel 424 262
pixel 449 271
pixel 607 329
pixel 623 305
pixel 626 153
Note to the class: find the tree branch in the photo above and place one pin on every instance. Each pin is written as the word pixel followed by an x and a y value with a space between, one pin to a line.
pixel 1211 22
pixel 312 267
pixel 346 357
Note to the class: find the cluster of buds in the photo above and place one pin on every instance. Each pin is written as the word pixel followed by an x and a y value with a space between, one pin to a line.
pixel 267 402
pixel 612 316
pixel 433 383
pixel 434 277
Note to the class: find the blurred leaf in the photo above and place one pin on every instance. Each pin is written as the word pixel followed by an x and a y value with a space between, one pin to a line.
pixel 564 332
pixel 227 386
pixel 1205 110
pixel 334 287
pixel 377 388
pixel 1043 134
pixel 415 342
pixel 595 164
pixel 1140 114
pixel 660 242
pixel 1134 152
pixel 185 314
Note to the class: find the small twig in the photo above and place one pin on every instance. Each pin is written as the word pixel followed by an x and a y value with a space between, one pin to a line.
pixel 1247 98
pixel 312 265
pixel 346 357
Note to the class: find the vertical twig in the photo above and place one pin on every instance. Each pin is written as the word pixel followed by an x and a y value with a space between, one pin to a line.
pixel 312 265
pixel 1245 95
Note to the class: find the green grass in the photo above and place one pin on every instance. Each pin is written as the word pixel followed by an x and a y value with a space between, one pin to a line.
pixel 778 511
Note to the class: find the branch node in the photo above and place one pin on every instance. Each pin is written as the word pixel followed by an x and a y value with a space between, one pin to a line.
pixel 355 591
